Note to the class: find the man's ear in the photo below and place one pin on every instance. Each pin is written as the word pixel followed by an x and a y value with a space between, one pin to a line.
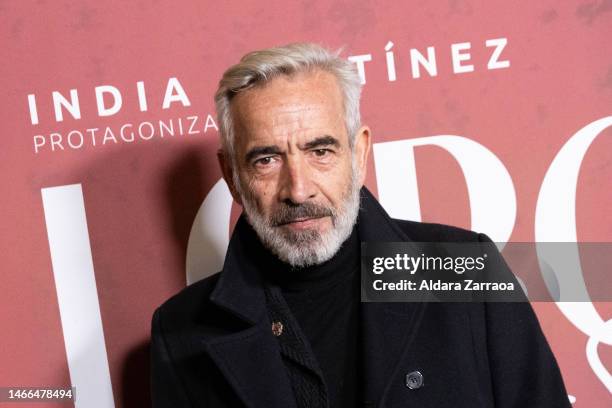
pixel 362 151
pixel 228 174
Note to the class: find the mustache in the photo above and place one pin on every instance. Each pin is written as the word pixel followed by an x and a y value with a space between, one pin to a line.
pixel 287 213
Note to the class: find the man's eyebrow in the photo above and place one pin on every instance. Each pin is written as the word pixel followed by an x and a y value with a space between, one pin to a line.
pixel 325 140
pixel 261 150
pixel 322 141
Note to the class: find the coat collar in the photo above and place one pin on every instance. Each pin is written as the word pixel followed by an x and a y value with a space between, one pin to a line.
pixel 387 328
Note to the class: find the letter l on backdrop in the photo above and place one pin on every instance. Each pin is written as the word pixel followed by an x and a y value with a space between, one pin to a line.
pixel 77 296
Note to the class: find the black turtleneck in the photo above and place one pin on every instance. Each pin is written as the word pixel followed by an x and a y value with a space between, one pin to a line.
pixel 325 300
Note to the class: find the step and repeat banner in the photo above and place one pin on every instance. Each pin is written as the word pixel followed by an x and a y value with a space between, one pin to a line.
pixel 493 116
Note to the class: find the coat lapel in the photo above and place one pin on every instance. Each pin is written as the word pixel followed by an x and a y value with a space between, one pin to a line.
pixel 249 359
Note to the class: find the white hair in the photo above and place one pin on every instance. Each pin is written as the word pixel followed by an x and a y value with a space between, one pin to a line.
pixel 258 67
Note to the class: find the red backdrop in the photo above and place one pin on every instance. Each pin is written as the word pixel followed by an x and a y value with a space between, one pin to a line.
pixel 551 77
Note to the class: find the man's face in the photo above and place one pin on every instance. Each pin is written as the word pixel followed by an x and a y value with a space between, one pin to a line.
pixel 297 178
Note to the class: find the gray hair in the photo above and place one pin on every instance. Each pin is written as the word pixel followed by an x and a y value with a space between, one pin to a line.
pixel 258 67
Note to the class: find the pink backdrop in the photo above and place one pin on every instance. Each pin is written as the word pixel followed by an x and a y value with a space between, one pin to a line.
pixel 141 197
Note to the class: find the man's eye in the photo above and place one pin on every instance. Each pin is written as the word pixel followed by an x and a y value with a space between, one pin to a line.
pixel 321 152
pixel 264 161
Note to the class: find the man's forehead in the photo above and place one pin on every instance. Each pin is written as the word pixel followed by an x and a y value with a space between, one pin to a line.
pixel 292 117
pixel 289 106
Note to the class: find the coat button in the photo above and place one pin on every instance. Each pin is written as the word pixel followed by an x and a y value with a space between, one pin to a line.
pixel 277 328
pixel 414 380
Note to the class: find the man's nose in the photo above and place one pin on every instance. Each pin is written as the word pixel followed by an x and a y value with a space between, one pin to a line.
pixel 297 186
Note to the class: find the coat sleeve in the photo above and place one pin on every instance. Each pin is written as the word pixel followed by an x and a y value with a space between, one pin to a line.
pixel 167 391
pixel 524 372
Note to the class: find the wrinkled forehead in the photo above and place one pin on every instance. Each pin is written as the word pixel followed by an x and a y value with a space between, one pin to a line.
pixel 296 106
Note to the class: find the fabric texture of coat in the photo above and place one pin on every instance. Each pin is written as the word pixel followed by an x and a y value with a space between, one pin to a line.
pixel 212 345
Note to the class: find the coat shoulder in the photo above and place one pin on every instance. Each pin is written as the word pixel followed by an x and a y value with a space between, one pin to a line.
pixel 190 296
pixel 432 232
pixel 192 307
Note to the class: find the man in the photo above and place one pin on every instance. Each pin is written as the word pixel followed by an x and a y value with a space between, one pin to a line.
pixel 282 325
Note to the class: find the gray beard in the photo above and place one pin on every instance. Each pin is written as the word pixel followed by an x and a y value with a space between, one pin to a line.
pixel 309 247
